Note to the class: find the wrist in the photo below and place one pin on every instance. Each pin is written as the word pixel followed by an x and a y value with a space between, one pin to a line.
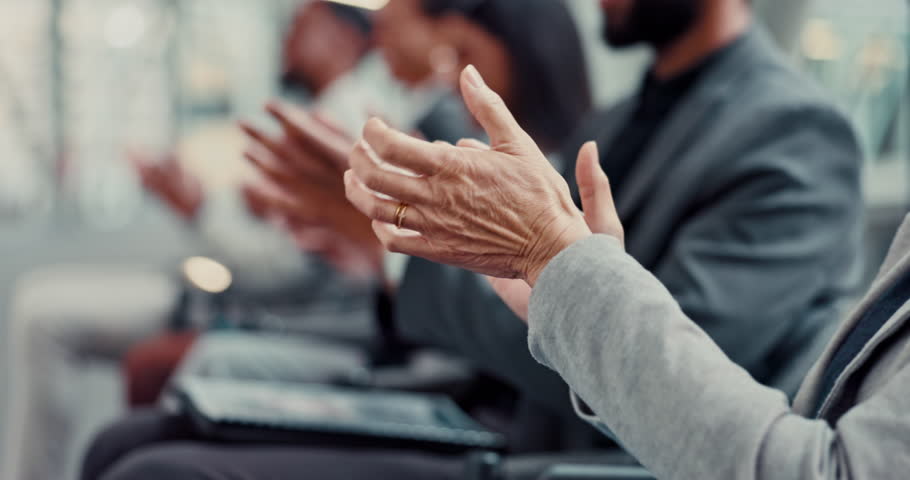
pixel 561 239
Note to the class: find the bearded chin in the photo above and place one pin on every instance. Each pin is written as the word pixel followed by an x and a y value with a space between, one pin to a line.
pixel 656 23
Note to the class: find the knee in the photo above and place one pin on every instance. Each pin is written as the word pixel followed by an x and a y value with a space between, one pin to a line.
pixel 174 462
pixel 135 433
pixel 106 449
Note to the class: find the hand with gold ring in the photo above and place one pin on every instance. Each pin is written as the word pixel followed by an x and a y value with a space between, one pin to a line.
pixel 502 211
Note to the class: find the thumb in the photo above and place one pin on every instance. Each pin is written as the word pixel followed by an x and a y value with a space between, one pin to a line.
pixel 489 109
pixel 595 193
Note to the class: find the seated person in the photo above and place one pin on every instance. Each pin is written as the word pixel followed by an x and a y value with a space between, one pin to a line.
pixel 640 368
pixel 64 315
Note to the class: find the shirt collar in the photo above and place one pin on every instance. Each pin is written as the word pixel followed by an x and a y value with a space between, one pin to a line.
pixel 655 89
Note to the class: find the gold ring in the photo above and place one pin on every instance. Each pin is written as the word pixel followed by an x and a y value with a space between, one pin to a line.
pixel 400 213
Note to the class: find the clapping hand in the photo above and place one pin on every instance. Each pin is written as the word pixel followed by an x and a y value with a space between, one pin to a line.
pixel 600 215
pixel 500 210
pixel 303 188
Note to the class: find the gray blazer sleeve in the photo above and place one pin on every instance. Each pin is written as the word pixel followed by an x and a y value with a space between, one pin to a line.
pixel 762 244
pixel 673 398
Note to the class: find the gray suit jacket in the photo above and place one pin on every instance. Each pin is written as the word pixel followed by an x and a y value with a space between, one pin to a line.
pixel 678 404
pixel 746 206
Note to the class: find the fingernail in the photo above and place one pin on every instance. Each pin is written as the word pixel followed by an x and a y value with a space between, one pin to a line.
pixel 595 165
pixel 474 77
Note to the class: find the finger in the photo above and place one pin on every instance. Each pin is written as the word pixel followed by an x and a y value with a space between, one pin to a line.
pixel 275 202
pixel 265 141
pixel 312 240
pixel 171 160
pixel 138 158
pixel 402 150
pixel 402 241
pixel 489 109
pixel 472 143
pixel 312 131
pixel 594 190
pixel 269 168
pixel 323 119
pixel 382 209
pixel 253 202
pixel 365 165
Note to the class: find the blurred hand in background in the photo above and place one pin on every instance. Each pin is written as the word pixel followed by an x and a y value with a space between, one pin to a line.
pixel 170 183
pixel 303 188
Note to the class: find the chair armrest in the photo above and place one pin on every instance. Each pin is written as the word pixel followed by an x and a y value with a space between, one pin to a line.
pixel 595 472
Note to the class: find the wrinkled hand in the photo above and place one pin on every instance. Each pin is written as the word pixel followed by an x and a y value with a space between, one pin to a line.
pixel 600 215
pixel 170 182
pixel 502 211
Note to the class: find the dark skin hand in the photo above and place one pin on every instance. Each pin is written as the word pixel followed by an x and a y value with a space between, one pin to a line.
pixel 304 186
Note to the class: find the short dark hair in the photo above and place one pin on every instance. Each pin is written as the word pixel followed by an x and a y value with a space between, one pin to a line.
pixel 549 71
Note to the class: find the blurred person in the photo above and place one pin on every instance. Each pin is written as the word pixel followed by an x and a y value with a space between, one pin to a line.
pixel 738 185
pixel 324 43
pixel 64 317
pixel 441 37
pixel 637 365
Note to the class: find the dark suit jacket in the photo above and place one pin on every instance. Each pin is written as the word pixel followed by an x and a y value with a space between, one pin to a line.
pixel 746 206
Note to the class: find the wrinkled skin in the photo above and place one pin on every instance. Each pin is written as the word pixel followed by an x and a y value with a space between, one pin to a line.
pixel 600 215
pixel 502 211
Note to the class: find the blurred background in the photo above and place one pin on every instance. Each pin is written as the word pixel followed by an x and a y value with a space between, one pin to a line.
pixel 83 81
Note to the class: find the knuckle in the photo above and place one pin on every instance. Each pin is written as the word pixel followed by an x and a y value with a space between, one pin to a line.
pixel 386 243
pixel 447 161
pixel 393 245
pixel 375 210
pixel 373 179
pixel 494 100
pixel 371 129
pixel 385 149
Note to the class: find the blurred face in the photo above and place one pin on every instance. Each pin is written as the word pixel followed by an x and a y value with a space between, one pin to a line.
pixel 407 38
pixel 652 22
pixel 320 47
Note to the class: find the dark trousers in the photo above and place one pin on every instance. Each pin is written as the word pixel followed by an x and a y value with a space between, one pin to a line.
pixel 153 445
